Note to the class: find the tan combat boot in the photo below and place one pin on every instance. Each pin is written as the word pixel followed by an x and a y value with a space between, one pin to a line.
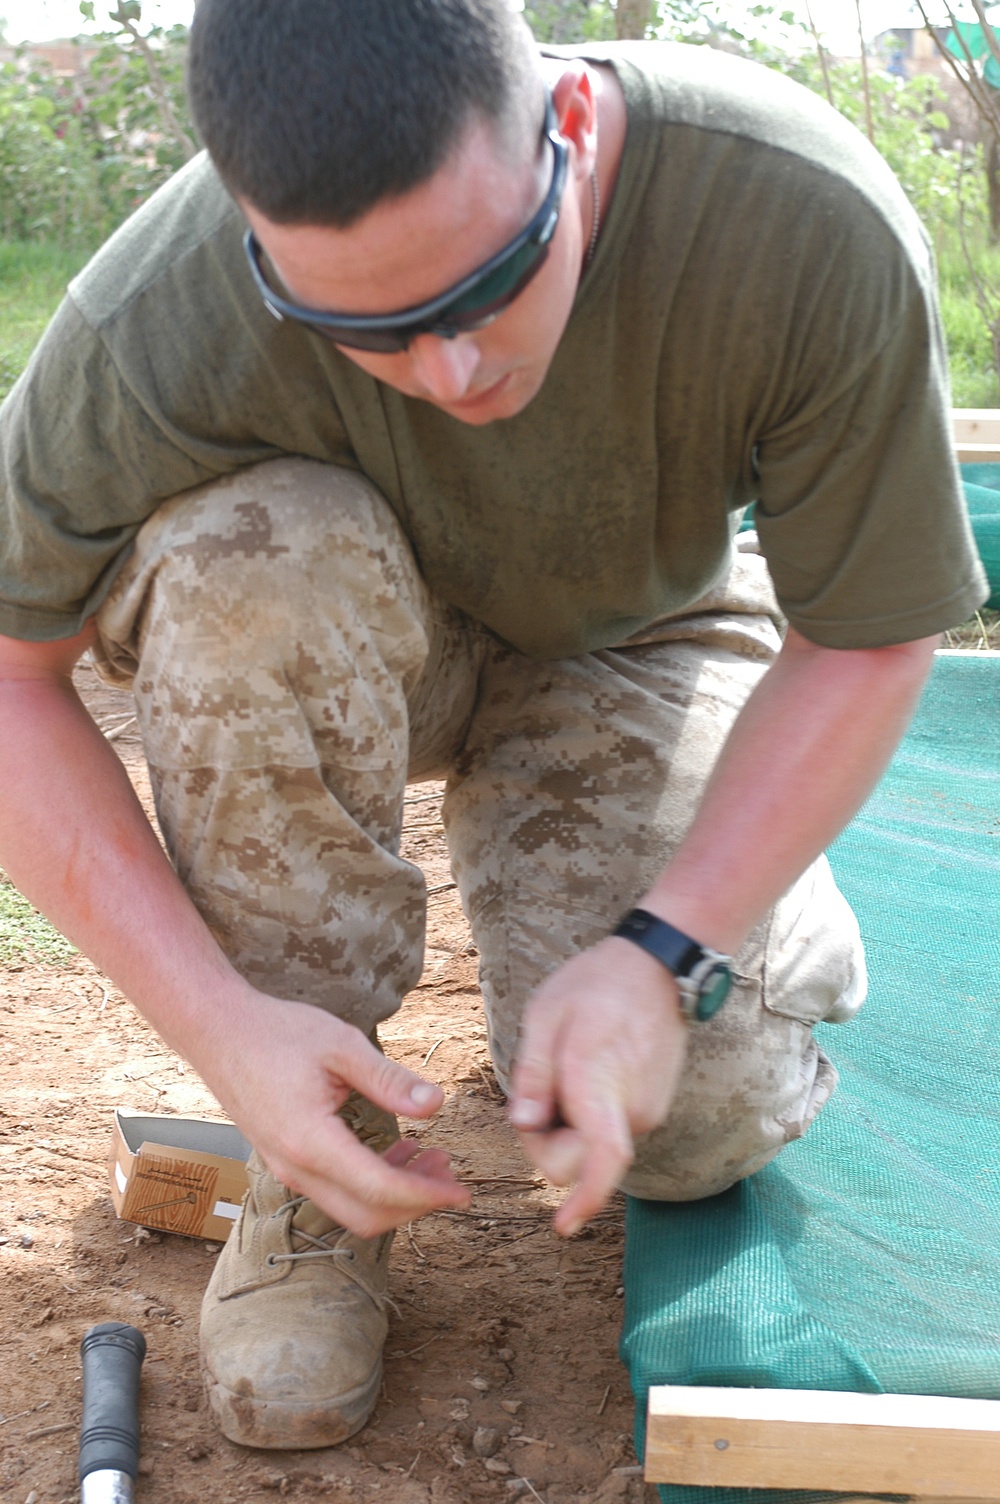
pixel 294 1317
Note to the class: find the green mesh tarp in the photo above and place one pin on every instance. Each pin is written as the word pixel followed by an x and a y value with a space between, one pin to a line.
pixel 971 42
pixel 982 497
pixel 867 1256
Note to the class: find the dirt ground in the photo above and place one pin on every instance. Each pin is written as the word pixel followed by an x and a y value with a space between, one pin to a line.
pixel 505 1341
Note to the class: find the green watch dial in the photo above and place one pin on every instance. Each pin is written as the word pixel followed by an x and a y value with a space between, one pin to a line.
pixel 713 992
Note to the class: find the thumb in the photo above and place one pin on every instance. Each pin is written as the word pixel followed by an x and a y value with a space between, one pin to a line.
pixel 389 1084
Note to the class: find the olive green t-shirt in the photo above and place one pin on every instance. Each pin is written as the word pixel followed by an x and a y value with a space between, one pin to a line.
pixel 758 323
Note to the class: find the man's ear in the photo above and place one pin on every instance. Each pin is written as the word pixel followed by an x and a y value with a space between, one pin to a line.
pixel 576 111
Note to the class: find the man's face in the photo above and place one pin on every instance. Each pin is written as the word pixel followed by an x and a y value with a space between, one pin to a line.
pixel 409 249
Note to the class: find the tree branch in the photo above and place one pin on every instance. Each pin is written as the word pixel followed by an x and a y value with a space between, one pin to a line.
pixel 989 35
pixel 631 19
pixel 973 85
pixel 158 85
pixel 821 54
pixel 865 81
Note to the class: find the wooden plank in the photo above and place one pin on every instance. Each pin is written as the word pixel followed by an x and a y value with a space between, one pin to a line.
pixel 976 431
pixel 858 1444
pixel 976 425
pixel 977 454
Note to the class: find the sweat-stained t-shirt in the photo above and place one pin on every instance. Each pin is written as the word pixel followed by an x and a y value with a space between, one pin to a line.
pixel 758 323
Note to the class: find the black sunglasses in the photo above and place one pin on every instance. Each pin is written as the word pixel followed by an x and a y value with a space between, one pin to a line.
pixel 470 304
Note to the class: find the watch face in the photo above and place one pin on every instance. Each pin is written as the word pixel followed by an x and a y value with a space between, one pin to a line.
pixel 713 992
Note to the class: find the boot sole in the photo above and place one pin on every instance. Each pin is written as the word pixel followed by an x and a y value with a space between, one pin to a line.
pixel 287 1425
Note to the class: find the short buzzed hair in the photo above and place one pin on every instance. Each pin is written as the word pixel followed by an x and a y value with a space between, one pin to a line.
pixel 316 110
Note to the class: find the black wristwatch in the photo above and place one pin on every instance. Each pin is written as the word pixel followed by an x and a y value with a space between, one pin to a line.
pixel 703 976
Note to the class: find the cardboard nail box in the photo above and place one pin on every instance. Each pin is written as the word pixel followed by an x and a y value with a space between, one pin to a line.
pixel 183 1175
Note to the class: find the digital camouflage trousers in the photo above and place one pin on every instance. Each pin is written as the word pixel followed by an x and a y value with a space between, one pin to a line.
pixel 292 673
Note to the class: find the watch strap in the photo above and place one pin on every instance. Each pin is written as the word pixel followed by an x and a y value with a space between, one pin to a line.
pixel 692 965
pixel 677 951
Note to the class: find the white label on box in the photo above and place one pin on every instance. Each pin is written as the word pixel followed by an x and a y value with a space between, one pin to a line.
pixel 226 1209
pixel 120 1179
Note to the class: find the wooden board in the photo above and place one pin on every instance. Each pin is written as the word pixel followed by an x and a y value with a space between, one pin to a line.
pixel 976 425
pixel 977 454
pixel 976 432
pixel 858 1444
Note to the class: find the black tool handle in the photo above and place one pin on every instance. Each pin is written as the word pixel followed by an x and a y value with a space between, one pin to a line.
pixel 112 1355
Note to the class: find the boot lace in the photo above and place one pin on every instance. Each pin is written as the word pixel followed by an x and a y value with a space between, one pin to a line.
pixel 315 1247
pixel 320 1247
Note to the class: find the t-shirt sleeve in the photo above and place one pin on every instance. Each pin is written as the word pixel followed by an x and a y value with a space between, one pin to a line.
pixel 83 463
pixel 861 514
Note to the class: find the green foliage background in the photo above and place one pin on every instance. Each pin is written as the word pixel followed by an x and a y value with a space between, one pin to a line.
pixel 78 155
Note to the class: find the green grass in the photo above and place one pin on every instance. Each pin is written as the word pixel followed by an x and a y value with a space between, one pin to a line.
pixel 33 278
pixel 970 353
pixel 973 380
pixel 24 935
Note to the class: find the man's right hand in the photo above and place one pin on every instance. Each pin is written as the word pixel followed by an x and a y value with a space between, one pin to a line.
pixel 288 1070
pixel 75 840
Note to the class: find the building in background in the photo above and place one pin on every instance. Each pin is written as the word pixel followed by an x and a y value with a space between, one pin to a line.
pixel 67 57
pixel 909 50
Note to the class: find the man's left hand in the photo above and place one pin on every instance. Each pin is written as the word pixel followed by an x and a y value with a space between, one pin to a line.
pixel 601 1053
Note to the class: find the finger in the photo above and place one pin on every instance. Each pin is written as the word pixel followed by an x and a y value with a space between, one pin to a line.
pixel 406 1153
pixel 374 1180
pixel 533 1101
pixel 401 1152
pixel 363 1220
pixel 383 1081
pixel 362 1189
pixel 368 1220
pixel 434 1164
pixel 609 1152
pixel 559 1155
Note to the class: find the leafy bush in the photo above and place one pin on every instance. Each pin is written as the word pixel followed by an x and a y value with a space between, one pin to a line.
pixel 48 178
pixel 78 155
pixel 910 129
pixel 761 31
pixel 570 20
pixel 137 114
